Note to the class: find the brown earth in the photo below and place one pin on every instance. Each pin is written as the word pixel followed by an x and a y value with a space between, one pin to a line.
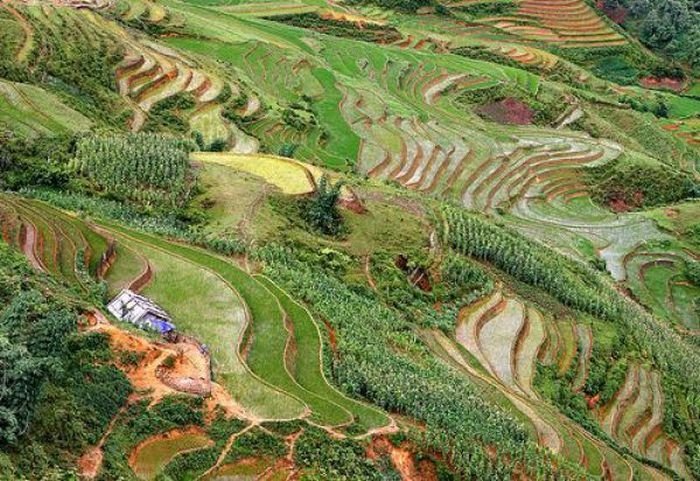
pixel 403 460
pixel 508 111
pixel 666 83
pixel 148 375
pixel 617 15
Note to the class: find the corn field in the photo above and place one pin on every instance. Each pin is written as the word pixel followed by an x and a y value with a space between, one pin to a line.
pixel 149 169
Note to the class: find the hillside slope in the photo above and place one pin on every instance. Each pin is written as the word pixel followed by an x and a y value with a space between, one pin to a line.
pixel 398 240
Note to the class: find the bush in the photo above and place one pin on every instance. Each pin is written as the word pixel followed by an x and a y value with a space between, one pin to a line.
pixel 633 182
pixel 321 211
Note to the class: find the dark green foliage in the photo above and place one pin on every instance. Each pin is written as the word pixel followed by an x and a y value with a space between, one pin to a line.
pixel 321 211
pixel 50 372
pixel 256 443
pixel 616 68
pixel 221 428
pixel 41 161
pixel 342 460
pixel 369 32
pixel 218 145
pixel 287 150
pixel 169 115
pixel 692 272
pixel 199 140
pixel 399 5
pixel 670 27
pixel 629 184
pixel 658 107
pixel 488 9
pixel 150 169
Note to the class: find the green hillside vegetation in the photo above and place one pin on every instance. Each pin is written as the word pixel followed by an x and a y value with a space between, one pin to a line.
pixel 419 240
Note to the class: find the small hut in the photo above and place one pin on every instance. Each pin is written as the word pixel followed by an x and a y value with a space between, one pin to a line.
pixel 140 311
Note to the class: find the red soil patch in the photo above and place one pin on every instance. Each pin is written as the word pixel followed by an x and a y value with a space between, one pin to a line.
pixel 623 203
pixel 662 83
pixel 592 402
pixel 508 111
pixel 418 276
pixel 189 372
pixel 89 463
pixel 617 15
pixel 671 213
pixel 332 338
pixel 402 459
pixel 353 204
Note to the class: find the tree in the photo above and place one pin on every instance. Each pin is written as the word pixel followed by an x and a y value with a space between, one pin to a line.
pixel 321 211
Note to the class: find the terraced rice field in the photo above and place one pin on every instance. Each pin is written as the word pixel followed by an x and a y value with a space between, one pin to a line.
pixel 53 241
pixel 37 112
pixel 654 278
pixel 152 455
pixel 527 55
pixel 566 23
pixel 506 338
pixel 151 73
pixel 305 345
pixel 27 43
pixel 259 375
pixel 290 176
pixel 266 349
pixel 385 105
pixel 635 418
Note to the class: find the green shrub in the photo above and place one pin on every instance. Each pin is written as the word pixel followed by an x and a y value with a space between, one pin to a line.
pixel 633 182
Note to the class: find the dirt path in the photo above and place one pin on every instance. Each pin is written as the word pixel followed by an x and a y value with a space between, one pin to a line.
pixel 90 462
pixel 147 374
pixel 368 273
pixel 252 210
pixel 226 450
pixel 29 243
pixel 26 47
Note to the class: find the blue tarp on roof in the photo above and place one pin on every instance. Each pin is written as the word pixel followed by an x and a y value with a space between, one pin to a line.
pixel 162 326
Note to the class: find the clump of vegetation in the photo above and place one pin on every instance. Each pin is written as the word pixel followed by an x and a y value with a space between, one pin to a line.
pixel 692 272
pixel 168 114
pixel 42 161
pixel 488 9
pixel 508 104
pixel 321 210
pixel 670 27
pixel 50 371
pixel 149 169
pixel 399 5
pixel 634 182
pixel 369 32
pixel 338 459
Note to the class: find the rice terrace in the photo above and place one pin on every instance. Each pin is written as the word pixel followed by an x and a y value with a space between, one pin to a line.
pixel 348 240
